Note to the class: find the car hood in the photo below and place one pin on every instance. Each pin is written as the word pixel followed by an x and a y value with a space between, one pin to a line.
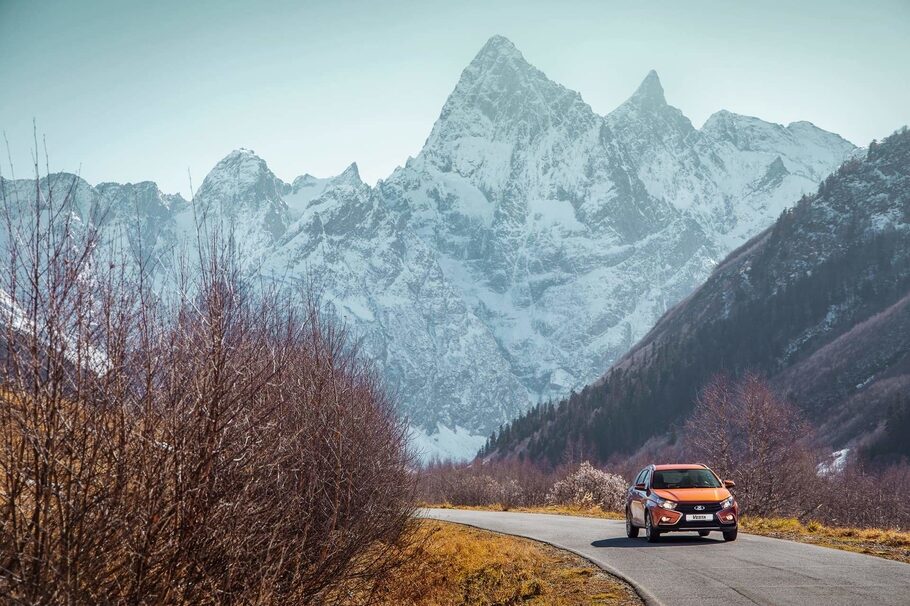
pixel 693 495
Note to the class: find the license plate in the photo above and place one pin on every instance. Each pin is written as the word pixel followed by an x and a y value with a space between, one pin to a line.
pixel 699 517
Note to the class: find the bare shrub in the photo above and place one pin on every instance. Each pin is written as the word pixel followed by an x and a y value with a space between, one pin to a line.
pixel 224 444
pixel 483 489
pixel 588 487
pixel 505 483
pixel 747 433
pixel 470 489
pixel 863 497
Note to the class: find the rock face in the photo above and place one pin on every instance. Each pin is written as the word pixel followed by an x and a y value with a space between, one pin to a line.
pixel 386 283
pixel 819 303
pixel 528 245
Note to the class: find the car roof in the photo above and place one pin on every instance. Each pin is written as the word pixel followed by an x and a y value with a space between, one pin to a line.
pixel 680 466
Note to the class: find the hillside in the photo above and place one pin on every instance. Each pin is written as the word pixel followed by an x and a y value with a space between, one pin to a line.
pixel 819 303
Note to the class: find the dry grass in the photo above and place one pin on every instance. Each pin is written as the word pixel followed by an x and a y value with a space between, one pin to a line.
pixel 888 544
pixel 457 565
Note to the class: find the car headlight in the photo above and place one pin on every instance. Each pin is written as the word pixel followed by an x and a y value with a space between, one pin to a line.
pixel 728 502
pixel 665 504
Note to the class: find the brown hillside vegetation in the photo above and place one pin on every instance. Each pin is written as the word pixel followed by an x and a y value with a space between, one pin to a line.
pixel 853 359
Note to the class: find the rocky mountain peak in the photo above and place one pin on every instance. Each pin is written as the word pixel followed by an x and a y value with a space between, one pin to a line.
pixel 241 171
pixel 242 162
pixel 499 73
pixel 737 127
pixel 650 93
pixel 350 176
pixel 243 189
pixel 498 46
pixel 646 117
pixel 500 97
pixel 143 197
pixel 304 180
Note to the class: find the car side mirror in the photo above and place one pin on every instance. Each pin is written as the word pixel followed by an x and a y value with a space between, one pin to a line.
pixel 729 483
pixel 639 487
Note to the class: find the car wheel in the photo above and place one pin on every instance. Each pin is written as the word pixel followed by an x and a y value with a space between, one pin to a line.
pixel 653 535
pixel 631 529
pixel 704 533
pixel 730 535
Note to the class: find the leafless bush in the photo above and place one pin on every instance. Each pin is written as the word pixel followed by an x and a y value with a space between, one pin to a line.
pixel 519 484
pixel 222 445
pixel 588 487
pixel 483 489
pixel 746 433
pixel 505 483
pixel 475 490
pixel 866 498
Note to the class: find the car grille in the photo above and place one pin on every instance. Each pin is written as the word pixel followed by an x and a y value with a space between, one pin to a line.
pixel 691 508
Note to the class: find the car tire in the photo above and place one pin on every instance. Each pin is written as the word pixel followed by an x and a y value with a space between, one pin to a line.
pixel 653 535
pixel 631 529
pixel 730 535
pixel 704 533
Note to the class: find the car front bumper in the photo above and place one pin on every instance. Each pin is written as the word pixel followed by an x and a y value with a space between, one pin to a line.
pixel 669 520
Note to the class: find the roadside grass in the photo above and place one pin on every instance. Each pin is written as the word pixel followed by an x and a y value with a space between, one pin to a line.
pixel 455 564
pixel 884 543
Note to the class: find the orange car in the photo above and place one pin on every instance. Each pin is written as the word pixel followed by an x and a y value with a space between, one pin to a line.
pixel 680 498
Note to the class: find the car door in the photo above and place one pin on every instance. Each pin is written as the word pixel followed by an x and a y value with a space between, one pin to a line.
pixel 631 495
pixel 639 497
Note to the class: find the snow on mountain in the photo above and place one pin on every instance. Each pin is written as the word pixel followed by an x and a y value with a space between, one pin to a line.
pixel 818 304
pixel 246 198
pixel 569 233
pixel 145 218
pixel 527 246
pixel 386 284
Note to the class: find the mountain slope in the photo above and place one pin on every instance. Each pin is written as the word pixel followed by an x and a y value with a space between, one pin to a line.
pixel 569 233
pixel 819 302
pixel 385 283
pixel 334 234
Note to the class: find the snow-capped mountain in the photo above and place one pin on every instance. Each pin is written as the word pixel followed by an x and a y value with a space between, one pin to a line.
pixel 387 285
pixel 818 304
pixel 526 247
pixel 569 233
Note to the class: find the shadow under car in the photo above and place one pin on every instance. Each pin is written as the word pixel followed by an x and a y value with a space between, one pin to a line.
pixel 665 541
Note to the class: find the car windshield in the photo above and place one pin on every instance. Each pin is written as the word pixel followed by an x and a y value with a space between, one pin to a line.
pixel 684 478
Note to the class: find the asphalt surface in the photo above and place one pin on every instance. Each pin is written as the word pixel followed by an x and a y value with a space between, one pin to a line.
pixel 684 569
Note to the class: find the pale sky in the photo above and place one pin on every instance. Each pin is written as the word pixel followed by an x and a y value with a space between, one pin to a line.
pixel 130 91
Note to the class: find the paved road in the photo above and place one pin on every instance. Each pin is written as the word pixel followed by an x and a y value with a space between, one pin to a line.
pixel 685 569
